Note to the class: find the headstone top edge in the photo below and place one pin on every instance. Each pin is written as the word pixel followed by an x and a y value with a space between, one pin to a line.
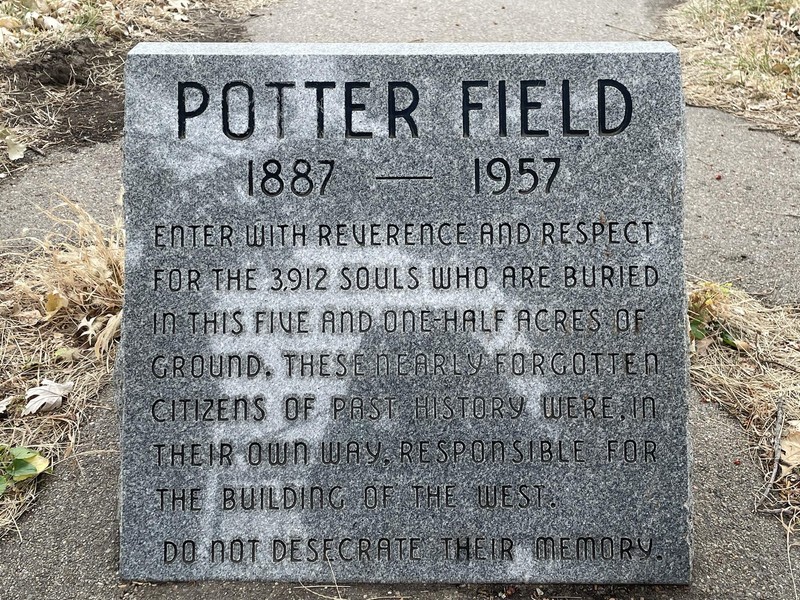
pixel 411 49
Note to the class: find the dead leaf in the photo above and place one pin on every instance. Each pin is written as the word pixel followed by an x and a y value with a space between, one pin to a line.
pixel 741 345
pixel 67 355
pixel 177 5
pixel 781 69
pixel 790 453
pixel 42 6
pixel 701 346
pixel 4 404
pixel 6 37
pixel 735 77
pixel 91 328
pixel 66 7
pixel 109 334
pixel 14 148
pixel 119 30
pixel 55 301
pixel 31 19
pixel 46 397
pixel 52 24
pixel 10 23
pixel 36 7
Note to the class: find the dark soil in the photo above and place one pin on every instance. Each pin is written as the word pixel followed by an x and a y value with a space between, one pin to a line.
pixel 86 111
pixel 58 66
pixel 93 114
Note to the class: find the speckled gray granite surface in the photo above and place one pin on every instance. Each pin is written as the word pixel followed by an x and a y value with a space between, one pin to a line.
pixel 404 313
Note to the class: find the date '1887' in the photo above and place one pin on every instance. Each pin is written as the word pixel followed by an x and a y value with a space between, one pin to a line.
pixel 299 179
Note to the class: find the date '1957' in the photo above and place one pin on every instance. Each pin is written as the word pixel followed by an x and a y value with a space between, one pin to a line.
pixel 499 171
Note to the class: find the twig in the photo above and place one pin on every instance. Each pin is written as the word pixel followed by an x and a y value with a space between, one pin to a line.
pixel 776 452
pixel 317 594
pixel 779 364
pixel 789 560
pixel 333 575
pixel 764 129
pixel 775 511
pixel 780 214
pixel 763 294
pixel 321 586
pixel 641 35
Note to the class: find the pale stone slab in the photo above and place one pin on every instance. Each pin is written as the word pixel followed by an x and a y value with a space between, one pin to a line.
pixel 545 182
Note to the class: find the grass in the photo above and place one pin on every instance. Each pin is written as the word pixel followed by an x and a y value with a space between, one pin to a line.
pixel 742 56
pixel 746 357
pixel 60 315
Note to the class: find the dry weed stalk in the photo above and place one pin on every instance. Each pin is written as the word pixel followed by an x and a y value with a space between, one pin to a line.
pixel 747 357
pixel 60 312
pixel 742 56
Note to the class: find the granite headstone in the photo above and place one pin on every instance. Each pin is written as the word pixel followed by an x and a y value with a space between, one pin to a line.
pixel 405 313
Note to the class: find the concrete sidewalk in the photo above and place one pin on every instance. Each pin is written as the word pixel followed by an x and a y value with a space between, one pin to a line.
pixel 735 230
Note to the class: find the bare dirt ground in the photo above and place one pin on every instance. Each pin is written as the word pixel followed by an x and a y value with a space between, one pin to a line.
pixel 69 95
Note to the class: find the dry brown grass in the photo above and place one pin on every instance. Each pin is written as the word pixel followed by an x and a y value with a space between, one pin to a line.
pixel 742 56
pixel 60 312
pixel 28 24
pixel 749 362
